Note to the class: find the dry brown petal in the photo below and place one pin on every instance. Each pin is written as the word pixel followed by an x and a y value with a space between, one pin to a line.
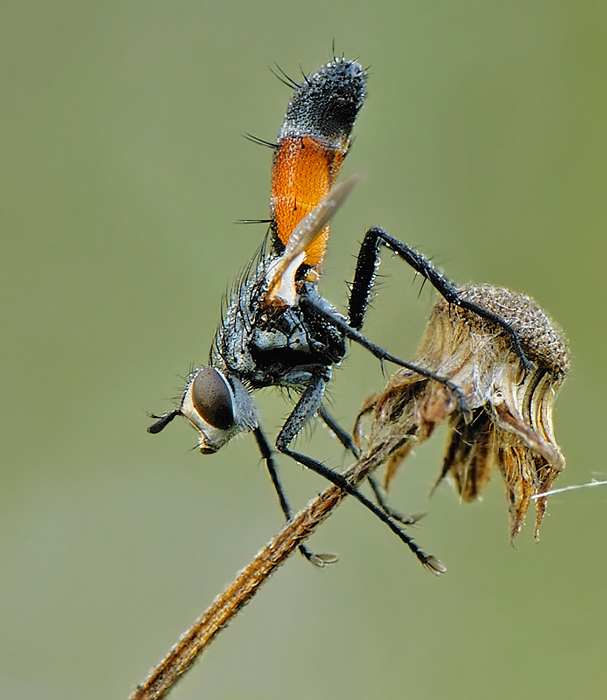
pixel 509 426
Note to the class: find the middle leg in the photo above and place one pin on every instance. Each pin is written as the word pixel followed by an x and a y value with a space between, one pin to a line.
pixel 380 496
pixel 304 410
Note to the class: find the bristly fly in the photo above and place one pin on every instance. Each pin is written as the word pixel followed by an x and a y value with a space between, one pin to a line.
pixel 277 330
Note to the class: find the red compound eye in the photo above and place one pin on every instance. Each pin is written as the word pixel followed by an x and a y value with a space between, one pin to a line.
pixel 212 398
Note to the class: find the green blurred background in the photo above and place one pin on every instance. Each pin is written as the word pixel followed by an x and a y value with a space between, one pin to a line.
pixel 483 142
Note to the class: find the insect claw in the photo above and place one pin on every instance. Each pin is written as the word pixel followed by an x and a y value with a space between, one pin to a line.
pixel 433 565
pixel 325 559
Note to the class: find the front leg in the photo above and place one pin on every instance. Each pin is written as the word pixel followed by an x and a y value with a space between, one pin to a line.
pixel 366 270
pixel 304 411
pixel 267 454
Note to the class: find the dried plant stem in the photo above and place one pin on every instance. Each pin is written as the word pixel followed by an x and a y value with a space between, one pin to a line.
pixel 191 645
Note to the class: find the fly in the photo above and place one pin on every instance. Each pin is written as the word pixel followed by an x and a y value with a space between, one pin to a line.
pixel 277 331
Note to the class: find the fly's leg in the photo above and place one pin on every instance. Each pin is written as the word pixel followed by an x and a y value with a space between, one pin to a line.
pixel 320 307
pixel 319 560
pixel 380 496
pixel 342 435
pixel 304 410
pixel 366 269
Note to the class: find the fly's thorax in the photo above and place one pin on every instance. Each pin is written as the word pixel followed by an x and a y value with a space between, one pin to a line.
pixel 267 345
pixel 218 407
pixel 230 352
pixel 288 343
pixel 282 328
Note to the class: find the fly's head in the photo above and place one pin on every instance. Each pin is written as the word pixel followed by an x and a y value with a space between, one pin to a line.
pixel 217 406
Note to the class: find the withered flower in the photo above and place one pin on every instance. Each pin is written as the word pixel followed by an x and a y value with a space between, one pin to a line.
pixel 509 422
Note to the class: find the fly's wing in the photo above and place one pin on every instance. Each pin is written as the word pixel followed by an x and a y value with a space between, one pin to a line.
pixel 281 286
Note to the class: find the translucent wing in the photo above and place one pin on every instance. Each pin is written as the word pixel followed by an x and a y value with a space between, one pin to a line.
pixel 281 274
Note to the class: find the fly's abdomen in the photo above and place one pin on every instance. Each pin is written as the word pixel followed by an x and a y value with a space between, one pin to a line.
pixel 311 146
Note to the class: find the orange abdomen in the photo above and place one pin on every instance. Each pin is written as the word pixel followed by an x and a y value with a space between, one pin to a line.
pixel 303 172
pixel 311 146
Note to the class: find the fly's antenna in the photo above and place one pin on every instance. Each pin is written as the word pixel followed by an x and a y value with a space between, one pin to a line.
pixel 162 421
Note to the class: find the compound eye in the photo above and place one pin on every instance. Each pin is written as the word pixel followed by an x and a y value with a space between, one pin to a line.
pixel 212 398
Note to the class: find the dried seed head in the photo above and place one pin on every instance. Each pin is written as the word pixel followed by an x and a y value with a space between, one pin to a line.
pixel 510 426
